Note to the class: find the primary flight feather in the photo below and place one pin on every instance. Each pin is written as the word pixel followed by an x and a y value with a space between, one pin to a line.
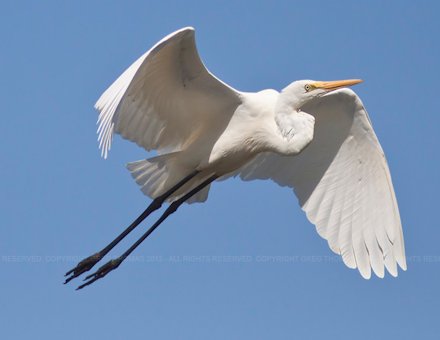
pixel 314 137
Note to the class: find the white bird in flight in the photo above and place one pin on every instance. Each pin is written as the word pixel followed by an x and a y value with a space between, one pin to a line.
pixel 314 137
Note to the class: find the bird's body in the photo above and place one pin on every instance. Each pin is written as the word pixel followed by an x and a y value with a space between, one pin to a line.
pixel 314 137
pixel 238 141
pixel 232 142
pixel 250 131
pixel 246 134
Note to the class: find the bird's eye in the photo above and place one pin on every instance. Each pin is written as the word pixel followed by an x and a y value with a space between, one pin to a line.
pixel 308 87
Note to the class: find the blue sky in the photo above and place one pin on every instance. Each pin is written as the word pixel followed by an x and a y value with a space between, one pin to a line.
pixel 246 264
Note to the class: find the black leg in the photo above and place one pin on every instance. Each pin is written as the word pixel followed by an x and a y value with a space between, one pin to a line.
pixel 87 264
pixel 113 264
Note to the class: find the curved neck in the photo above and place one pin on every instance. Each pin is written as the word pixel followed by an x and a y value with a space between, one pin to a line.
pixel 294 127
pixel 286 121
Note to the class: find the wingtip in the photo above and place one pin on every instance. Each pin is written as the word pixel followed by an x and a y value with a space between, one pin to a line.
pixel 187 29
pixel 403 266
pixel 380 273
pixel 394 274
pixel 366 275
pixel 364 270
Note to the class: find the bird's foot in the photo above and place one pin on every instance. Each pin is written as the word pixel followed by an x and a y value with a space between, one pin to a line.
pixel 101 272
pixel 83 266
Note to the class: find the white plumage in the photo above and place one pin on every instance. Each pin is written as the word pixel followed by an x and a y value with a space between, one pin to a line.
pixel 343 184
pixel 314 137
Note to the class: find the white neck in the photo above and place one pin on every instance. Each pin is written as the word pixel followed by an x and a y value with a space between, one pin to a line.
pixel 295 128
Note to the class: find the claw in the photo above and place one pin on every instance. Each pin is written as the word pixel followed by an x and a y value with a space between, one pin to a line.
pixel 84 266
pixel 101 272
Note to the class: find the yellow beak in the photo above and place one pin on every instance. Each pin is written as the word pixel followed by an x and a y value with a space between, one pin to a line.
pixel 337 84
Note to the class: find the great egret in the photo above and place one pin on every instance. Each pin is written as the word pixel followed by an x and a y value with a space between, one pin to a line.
pixel 313 136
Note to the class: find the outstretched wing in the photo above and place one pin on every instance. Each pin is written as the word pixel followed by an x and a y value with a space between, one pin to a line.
pixel 343 184
pixel 165 98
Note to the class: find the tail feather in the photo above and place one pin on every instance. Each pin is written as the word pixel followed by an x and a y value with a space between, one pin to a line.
pixel 201 196
pixel 158 174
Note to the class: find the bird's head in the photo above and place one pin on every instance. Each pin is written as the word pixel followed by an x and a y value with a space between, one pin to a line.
pixel 300 92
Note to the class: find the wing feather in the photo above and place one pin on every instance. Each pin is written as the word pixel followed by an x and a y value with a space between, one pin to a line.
pixel 163 97
pixel 343 184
